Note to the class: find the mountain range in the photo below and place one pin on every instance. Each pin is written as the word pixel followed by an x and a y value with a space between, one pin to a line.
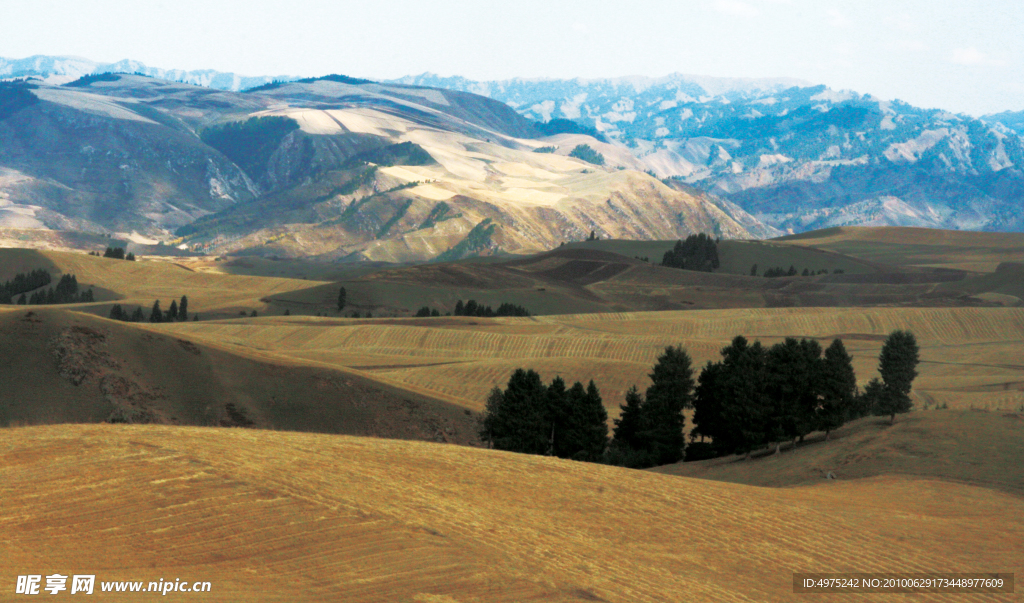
pixel 438 167
pixel 332 167
pixel 794 155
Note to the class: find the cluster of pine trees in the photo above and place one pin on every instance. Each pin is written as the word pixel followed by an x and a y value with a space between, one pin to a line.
pixel 534 418
pixel 64 292
pixel 698 252
pixel 472 308
pixel 426 311
pixel 115 252
pixel 649 430
pixel 22 283
pixel 177 312
pixel 780 271
pixel 756 396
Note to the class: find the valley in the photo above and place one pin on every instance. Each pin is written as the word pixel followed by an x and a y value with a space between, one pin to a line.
pixel 366 265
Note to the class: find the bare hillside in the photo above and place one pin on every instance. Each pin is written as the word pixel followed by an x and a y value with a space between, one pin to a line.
pixel 302 517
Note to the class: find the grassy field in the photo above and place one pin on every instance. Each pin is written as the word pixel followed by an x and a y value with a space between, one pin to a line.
pixel 304 517
pixel 918 247
pixel 970 356
pixel 144 281
pixel 977 448
pixel 268 513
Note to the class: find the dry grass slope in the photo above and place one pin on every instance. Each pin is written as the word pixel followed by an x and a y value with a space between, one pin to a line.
pixel 303 517
pixel 970 356
pixel 70 367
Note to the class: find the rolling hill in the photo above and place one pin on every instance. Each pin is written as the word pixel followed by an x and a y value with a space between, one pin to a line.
pixel 66 367
pixel 305 517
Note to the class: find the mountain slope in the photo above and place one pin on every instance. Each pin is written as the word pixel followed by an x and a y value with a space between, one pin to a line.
pixel 797 157
pixel 333 167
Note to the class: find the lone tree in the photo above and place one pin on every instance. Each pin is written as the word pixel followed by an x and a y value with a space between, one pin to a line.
pixel 341 298
pixel 898 366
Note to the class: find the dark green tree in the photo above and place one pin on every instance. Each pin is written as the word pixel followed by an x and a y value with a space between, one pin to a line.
pixel 342 298
pixel 898 366
pixel 137 315
pixel 628 426
pixel 670 392
pixel 156 315
pixel 520 421
pixel 459 308
pixel 793 375
pixel 583 431
pixel 172 312
pixel 838 388
pixel 753 270
pixel 117 312
pixel 183 309
pixel 744 404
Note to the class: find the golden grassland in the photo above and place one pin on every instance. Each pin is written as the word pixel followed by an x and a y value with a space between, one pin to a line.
pixel 276 516
pixel 923 247
pixel 970 357
pixel 978 448
pixel 144 281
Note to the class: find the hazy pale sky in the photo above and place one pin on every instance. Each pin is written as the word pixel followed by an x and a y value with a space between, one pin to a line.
pixel 961 55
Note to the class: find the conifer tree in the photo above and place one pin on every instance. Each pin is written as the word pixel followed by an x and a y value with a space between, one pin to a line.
pixel 172 312
pixel 838 387
pixel 898 366
pixel 183 309
pixel 582 433
pixel 519 421
pixel 741 385
pixel 342 298
pixel 117 313
pixel 670 392
pixel 793 369
pixel 156 315
pixel 459 309
pixel 628 426
pixel 137 315
pixel 559 416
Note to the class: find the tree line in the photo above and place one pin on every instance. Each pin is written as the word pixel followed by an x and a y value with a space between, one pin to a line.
pixel 698 252
pixel 754 397
pixel 64 292
pixel 792 271
pixel 177 312
pixel 534 418
pixel 116 253
pixel 22 283
pixel 472 308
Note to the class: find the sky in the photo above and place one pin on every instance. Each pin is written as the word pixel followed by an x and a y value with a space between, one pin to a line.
pixel 964 55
